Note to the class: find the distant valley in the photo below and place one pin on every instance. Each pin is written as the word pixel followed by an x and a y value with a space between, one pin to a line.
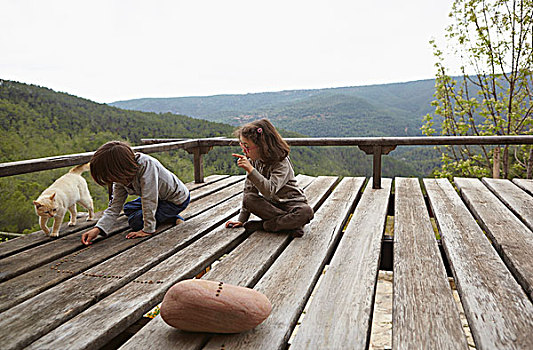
pixel 375 110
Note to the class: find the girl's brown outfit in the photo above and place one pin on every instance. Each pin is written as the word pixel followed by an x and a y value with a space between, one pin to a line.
pixel 271 192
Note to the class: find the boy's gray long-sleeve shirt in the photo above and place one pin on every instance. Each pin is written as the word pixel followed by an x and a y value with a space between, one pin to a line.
pixel 275 183
pixel 153 182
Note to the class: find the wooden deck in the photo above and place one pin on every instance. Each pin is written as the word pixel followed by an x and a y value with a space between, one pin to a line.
pixel 59 294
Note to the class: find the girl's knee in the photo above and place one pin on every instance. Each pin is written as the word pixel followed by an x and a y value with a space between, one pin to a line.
pixel 305 212
pixel 250 200
pixel 308 212
pixel 254 203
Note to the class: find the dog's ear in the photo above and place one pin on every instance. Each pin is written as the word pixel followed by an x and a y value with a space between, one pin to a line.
pixel 37 204
pixel 52 196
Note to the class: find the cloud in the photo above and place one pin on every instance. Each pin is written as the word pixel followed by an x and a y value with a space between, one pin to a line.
pixel 115 50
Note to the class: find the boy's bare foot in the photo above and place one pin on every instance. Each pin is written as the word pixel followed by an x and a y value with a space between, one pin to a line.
pixel 179 221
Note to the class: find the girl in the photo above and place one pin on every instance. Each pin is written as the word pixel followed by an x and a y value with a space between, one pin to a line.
pixel 162 195
pixel 270 190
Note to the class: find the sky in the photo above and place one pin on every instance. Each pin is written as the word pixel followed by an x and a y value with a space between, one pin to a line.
pixel 113 50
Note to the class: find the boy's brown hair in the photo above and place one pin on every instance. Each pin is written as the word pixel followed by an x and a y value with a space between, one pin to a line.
pixel 113 162
pixel 272 147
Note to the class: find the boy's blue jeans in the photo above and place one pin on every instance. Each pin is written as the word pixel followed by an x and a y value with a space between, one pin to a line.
pixel 166 212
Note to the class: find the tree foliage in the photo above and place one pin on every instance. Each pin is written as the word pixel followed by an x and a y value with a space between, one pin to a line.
pixel 493 40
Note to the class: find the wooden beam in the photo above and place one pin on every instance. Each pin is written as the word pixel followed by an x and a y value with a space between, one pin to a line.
pixel 376 166
pixel 54 162
pixel 160 145
pixel 384 141
pixel 376 151
pixel 198 160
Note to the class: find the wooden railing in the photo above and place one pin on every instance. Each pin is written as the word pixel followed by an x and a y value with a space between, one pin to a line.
pixel 376 146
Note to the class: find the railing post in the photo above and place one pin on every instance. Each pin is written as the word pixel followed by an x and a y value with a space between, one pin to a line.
pixel 376 167
pixel 496 163
pixel 198 161
pixel 376 151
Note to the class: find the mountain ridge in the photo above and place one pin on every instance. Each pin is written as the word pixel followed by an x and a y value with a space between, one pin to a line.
pixel 401 105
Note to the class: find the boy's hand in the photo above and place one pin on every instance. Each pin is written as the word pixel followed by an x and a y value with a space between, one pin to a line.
pixel 138 234
pixel 233 224
pixel 243 162
pixel 88 236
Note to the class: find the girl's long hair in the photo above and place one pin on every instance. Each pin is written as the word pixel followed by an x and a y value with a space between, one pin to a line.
pixel 272 147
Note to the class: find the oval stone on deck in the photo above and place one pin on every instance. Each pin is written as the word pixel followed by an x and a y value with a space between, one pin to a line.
pixel 209 306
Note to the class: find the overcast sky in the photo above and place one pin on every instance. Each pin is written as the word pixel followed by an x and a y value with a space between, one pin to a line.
pixel 117 50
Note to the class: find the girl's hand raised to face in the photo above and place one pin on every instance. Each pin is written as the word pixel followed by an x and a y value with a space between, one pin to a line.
pixel 243 162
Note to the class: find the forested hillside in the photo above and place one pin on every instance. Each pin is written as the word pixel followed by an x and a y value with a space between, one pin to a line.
pixel 375 110
pixel 38 122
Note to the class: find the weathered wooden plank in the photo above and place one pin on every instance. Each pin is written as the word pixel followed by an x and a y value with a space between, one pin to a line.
pixel 29 284
pixel 512 239
pixel 33 239
pixel 208 180
pixel 27 260
pixel 518 201
pixel 37 316
pixel 289 281
pixel 36 238
pixel 132 301
pixel 213 187
pixel 340 313
pixel 243 266
pixel 304 180
pixel 525 184
pixel 424 312
pixel 248 263
pixel 204 204
pixel 498 310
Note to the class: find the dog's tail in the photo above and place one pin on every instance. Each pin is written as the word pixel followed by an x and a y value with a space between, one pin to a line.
pixel 79 169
